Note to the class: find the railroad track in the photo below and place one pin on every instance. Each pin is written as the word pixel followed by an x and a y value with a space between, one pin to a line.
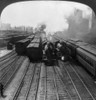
pixel 28 85
pixel 61 90
pixel 7 66
pixel 55 88
pixel 33 92
pixel 42 90
pixel 66 83
pixel 8 73
pixel 40 82
pixel 51 90
pixel 80 87
pixel 7 55
pixel 27 82
pixel 7 60
pixel 3 48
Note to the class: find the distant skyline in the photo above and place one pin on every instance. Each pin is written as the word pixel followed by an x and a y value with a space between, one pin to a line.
pixel 52 13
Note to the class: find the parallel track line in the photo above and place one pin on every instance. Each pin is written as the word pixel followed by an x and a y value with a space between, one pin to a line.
pixel 7 55
pixel 34 86
pixel 62 81
pixel 30 82
pixel 55 83
pixel 38 84
pixel 8 69
pixel 16 92
pixel 83 83
pixel 12 76
pixel 73 83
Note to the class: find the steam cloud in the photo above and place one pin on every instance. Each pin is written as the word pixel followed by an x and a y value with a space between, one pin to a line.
pixel 72 19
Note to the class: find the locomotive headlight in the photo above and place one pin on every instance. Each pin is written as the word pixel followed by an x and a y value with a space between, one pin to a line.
pixel 62 58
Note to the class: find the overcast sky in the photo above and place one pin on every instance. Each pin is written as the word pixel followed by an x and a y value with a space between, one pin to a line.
pixel 53 13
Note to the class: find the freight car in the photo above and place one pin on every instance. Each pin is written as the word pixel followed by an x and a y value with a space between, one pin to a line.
pixel 44 40
pixel 35 40
pixel 21 45
pixel 9 46
pixel 30 37
pixel 34 50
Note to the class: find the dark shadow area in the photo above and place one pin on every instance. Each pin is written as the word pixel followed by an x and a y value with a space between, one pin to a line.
pixel 81 65
pixel 50 62
pixel 1 90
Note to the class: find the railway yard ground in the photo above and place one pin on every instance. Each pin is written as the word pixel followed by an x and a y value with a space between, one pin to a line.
pixel 4 52
pixel 36 81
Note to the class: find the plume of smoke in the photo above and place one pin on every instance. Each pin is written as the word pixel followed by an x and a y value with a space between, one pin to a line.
pixel 91 36
pixel 78 25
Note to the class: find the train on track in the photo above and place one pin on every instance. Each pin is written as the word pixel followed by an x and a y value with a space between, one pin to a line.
pixel 9 46
pixel 34 50
pixel 31 47
pixel 83 53
pixel 78 50
pixel 21 45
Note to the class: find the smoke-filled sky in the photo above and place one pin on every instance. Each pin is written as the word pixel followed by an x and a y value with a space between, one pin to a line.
pixel 53 13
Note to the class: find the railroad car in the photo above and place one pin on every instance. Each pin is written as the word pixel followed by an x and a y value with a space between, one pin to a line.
pixel 30 37
pixel 85 54
pixel 44 40
pixel 21 45
pixel 34 51
pixel 71 46
pixel 37 36
pixel 36 40
pixel 88 59
pixel 44 43
pixel 9 46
